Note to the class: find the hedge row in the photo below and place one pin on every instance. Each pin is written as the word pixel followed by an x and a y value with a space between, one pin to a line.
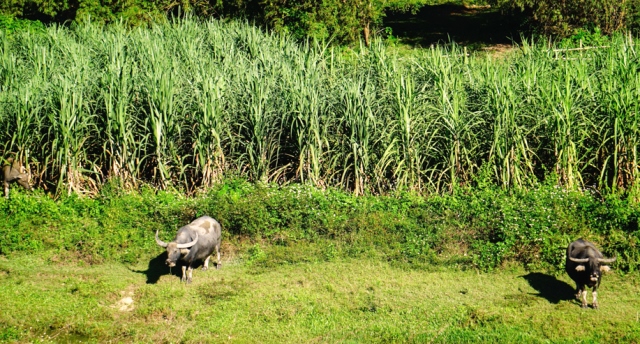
pixel 478 227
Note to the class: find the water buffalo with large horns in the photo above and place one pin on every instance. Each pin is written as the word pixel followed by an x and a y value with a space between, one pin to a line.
pixel 194 242
pixel 585 266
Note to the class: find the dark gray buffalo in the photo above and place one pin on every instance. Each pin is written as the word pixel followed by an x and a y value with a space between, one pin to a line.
pixel 13 171
pixel 584 266
pixel 194 242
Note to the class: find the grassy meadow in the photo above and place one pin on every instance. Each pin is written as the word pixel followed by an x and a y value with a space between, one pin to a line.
pixel 307 265
pixel 352 301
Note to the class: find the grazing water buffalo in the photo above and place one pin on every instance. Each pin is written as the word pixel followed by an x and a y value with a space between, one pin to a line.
pixel 13 171
pixel 584 266
pixel 194 242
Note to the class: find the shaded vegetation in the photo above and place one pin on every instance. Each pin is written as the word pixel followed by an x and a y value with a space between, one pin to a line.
pixel 349 21
pixel 343 21
pixel 550 287
pixel 441 24
pixel 563 18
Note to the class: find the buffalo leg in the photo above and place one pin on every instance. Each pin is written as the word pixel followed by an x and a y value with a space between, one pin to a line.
pixel 205 266
pixel 581 294
pixel 184 274
pixel 190 274
pixel 594 293
pixel 218 263
pixel 6 189
pixel 578 291
pixel 584 297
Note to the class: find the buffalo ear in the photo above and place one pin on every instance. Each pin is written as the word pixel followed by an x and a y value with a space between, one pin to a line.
pixel 605 268
pixel 580 268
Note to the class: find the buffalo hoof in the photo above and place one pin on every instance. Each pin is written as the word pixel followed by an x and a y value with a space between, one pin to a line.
pixel 584 305
pixel 218 266
pixel 595 306
pixel 189 280
pixel 205 268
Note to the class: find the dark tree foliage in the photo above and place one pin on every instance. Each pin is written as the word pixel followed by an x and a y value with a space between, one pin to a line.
pixel 563 18
pixel 62 11
pixel 344 21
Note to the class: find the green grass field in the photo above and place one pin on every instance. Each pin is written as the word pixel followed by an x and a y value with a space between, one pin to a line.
pixel 344 301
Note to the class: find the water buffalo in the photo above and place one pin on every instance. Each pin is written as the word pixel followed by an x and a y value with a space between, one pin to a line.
pixel 194 242
pixel 584 266
pixel 13 171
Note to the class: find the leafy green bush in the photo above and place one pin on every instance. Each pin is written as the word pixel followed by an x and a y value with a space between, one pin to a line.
pixel 473 227
pixel 10 24
pixel 565 17
pixel 344 21
pixel 134 12
pixel 587 36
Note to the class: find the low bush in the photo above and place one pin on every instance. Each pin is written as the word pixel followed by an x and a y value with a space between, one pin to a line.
pixel 10 24
pixel 472 227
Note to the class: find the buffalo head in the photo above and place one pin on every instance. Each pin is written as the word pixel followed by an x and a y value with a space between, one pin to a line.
pixel 595 266
pixel 175 250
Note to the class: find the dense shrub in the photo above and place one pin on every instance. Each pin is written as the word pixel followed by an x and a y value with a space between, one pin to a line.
pixel 344 21
pixel 565 17
pixel 11 24
pixel 480 228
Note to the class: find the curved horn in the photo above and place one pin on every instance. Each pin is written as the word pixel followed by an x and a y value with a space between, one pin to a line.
pixel 579 260
pixel 189 244
pixel 160 242
pixel 606 260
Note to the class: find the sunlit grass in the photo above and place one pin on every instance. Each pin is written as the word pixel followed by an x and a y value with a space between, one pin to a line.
pixel 345 300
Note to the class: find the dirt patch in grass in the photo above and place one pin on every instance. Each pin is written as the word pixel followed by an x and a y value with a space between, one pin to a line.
pixel 126 302
pixel 499 50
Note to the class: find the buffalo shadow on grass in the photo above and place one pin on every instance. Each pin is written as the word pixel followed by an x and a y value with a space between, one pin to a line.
pixel 158 268
pixel 550 287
